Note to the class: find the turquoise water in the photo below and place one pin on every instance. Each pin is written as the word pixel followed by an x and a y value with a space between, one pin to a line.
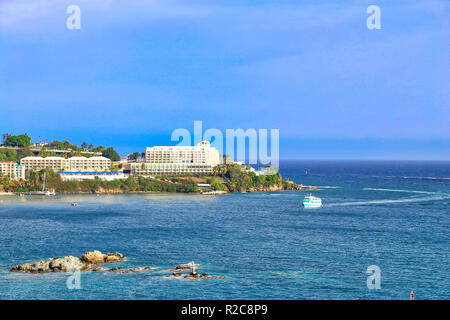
pixel 393 215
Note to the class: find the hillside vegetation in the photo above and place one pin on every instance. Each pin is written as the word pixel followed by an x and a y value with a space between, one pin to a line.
pixel 34 182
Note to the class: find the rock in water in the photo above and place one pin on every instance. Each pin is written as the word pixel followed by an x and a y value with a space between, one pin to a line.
pixel 99 269
pixel 41 266
pixel 67 264
pixel 93 257
pixel 192 275
pixel 113 257
pixel 26 267
pixel 70 263
pixel 182 267
pixel 96 257
pixel 175 274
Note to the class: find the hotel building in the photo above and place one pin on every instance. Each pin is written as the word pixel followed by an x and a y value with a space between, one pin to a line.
pixel 199 159
pixel 12 170
pixel 88 164
pixel 70 164
pixel 39 163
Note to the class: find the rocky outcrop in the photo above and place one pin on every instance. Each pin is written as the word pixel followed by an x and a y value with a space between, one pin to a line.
pixel 192 275
pixel 131 270
pixel 96 257
pixel 182 267
pixel 141 269
pixel 195 275
pixel 175 274
pixel 67 264
pixel 99 269
pixel 122 270
pixel 38 267
pixel 87 261
pixel 280 187
pixel 92 261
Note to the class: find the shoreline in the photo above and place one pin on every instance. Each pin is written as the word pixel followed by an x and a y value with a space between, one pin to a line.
pixel 21 194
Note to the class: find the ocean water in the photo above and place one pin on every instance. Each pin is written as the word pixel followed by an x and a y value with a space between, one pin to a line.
pixel 395 215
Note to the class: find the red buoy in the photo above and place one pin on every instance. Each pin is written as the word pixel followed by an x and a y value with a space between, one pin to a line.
pixel 411 296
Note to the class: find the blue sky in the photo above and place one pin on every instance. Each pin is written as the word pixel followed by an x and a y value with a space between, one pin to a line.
pixel 137 70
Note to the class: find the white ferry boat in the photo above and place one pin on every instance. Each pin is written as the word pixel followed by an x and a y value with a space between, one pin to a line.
pixel 310 202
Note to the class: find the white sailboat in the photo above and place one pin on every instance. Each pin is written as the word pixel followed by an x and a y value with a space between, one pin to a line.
pixel 44 192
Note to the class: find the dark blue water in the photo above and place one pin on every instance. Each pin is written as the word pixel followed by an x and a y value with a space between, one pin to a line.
pixel 391 214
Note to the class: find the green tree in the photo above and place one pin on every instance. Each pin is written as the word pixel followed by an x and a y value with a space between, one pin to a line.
pixel 22 140
pixel 84 146
pixel 112 154
pixel 134 156
pixel 9 155
pixel 56 145
pixel 66 144
pixel 5 138
pixel 99 149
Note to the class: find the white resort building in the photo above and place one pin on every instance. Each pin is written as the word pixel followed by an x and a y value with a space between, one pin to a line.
pixel 199 159
pixel 39 163
pixel 12 170
pixel 70 164
pixel 91 175
pixel 88 164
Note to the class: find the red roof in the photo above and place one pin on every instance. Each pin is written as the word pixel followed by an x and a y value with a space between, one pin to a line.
pixel 7 162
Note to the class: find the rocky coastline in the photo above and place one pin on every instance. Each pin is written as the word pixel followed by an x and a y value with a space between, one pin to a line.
pixel 271 188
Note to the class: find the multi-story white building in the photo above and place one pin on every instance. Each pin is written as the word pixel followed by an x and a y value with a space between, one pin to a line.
pixel 88 164
pixel 90 175
pixel 200 159
pixel 39 163
pixel 12 170
pixel 70 164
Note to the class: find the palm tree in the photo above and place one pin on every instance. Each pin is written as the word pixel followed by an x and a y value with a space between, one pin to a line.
pixel 5 137
pixel 84 146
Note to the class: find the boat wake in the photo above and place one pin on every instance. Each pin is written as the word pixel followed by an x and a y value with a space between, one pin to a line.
pixel 387 201
pixel 427 178
pixel 415 177
pixel 322 187
pixel 398 190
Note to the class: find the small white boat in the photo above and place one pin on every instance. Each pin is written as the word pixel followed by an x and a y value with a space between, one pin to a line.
pixel 311 202
pixel 74 204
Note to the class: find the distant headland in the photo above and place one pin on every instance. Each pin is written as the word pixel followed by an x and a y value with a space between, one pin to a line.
pixel 63 168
